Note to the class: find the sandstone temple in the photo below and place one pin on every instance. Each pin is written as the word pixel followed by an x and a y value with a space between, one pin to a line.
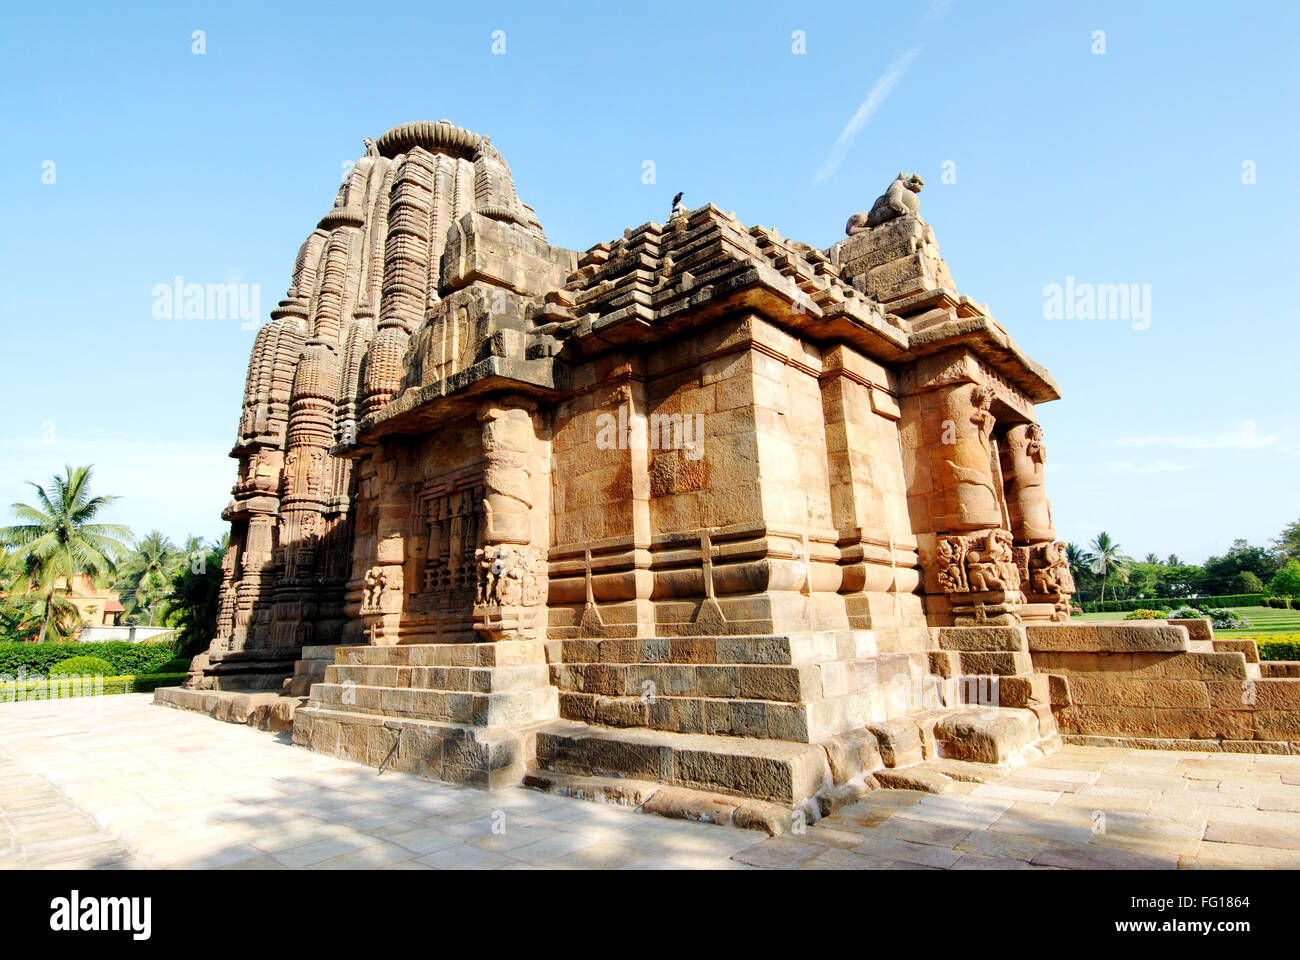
pixel 702 511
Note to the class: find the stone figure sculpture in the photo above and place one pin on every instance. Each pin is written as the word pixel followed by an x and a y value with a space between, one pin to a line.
pixel 898 200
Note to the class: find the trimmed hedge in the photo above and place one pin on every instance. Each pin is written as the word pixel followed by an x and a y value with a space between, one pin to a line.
pixel 1204 603
pixel 60 688
pixel 1144 614
pixel 82 667
pixel 1281 646
pixel 1282 603
pixel 152 681
pixel 125 658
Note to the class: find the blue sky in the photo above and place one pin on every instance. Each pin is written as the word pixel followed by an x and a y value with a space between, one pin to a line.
pixel 1117 167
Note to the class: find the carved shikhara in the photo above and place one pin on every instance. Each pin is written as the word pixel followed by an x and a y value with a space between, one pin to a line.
pixel 418 448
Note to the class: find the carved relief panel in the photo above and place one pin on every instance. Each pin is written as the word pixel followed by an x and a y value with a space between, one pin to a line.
pixel 451 509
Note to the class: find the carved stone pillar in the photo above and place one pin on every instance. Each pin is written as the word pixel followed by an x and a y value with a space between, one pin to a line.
pixel 511 576
pixel 1023 455
pixel 256 574
pixel 226 598
pixel 384 582
pixel 1043 569
pixel 970 559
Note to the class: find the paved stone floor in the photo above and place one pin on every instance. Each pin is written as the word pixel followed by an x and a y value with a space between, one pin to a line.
pixel 120 783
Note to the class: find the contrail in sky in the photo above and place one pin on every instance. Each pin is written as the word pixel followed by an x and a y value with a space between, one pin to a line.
pixel 884 86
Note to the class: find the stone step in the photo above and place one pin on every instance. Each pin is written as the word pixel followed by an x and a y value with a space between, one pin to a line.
pixel 993 735
pixel 445 706
pixel 1247 647
pixel 737 717
pixel 790 683
pixel 462 679
pixel 937 776
pixel 264 710
pixel 504 653
pixel 454 753
pixel 787 649
pixel 770 770
pixel 675 802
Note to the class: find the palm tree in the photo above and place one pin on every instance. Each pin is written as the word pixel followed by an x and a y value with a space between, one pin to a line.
pixel 195 591
pixel 60 540
pixel 1079 560
pixel 1108 557
pixel 145 574
pixel 1152 559
pixel 1174 561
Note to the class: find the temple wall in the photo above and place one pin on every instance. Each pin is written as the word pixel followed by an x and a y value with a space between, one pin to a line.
pixel 733 481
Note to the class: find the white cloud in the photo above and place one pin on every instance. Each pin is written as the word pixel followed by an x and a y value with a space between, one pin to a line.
pixel 1244 438
pixel 879 93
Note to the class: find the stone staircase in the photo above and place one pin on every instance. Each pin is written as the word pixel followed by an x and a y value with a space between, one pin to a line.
pixel 460 712
pixel 308 669
pixel 800 688
pixel 731 729
pixel 804 721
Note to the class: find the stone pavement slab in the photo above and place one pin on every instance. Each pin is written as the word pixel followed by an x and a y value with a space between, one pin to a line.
pixel 117 783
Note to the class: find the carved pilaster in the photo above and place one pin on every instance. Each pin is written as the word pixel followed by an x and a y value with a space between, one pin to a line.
pixel 1044 570
pixel 511 586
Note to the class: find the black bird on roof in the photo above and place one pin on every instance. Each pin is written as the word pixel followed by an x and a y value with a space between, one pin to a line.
pixel 677 199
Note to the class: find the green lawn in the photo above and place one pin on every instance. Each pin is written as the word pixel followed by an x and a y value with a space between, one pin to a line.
pixel 1263 621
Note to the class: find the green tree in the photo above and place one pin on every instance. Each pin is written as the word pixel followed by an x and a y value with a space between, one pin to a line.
pixel 1288 544
pixel 1144 578
pixel 1246 582
pixel 1221 572
pixel 23 605
pixel 1286 582
pixel 145 576
pixel 1108 557
pixel 1080 561
pixel 193 600
pixel 58 539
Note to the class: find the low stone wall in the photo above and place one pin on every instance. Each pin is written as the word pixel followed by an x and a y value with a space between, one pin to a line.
pixel 1146 684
